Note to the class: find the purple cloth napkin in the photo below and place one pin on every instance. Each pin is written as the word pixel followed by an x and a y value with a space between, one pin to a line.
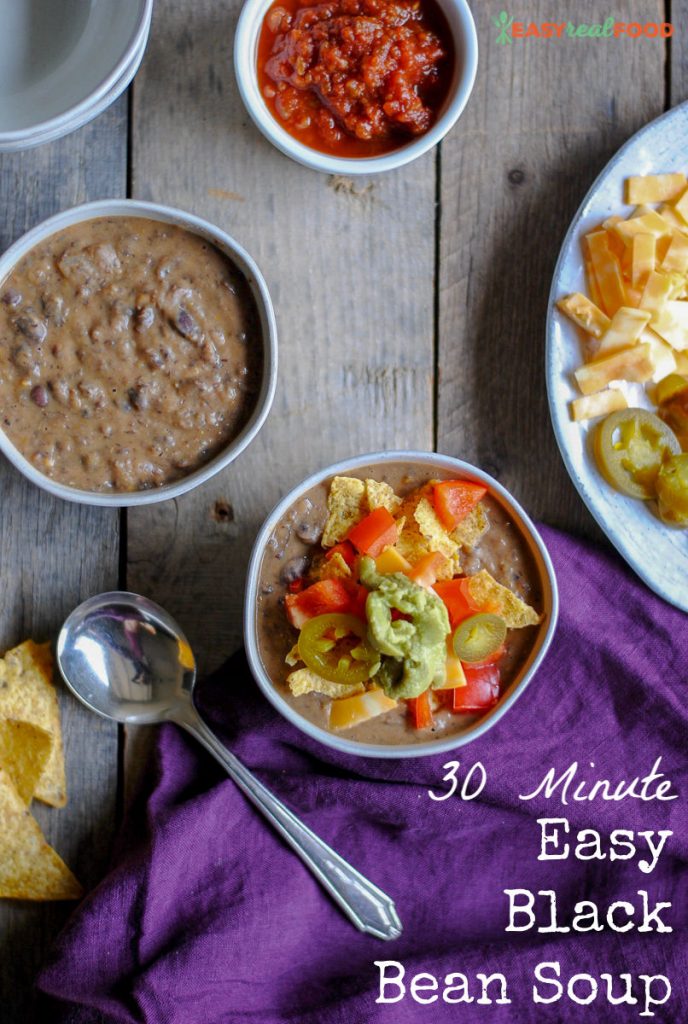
pixel 207 918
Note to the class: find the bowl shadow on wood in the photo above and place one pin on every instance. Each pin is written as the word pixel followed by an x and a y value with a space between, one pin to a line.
pixel 503 409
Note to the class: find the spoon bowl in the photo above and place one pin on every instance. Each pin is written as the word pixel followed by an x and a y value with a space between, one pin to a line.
pixel 126 659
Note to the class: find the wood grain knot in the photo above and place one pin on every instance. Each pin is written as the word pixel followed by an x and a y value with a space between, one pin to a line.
pixel 223 512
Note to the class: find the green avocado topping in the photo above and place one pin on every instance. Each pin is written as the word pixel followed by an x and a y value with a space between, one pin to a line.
pixel 415 648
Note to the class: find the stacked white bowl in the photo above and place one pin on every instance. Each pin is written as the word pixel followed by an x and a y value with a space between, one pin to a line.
pixel 62 63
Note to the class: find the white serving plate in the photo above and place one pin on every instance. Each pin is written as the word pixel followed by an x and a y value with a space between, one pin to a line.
pixel 657 553
pixel 62 64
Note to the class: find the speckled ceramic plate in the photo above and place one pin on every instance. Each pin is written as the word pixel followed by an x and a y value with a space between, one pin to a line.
pixel 658 553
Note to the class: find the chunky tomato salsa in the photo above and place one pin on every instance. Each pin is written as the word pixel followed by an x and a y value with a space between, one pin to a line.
pixel 355 77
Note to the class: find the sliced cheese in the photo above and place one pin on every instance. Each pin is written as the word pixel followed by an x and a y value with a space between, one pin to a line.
pixel 682 362
pixel 391 560
pixel 353 710
pixel 654 188
pixel 678 285
pixel 643 249
pixel 585 313
pixel 661 354
pixel 650 223
pixel 601 403
pixel 592 282
pixel 454 675
pixel 625 329
pixel 656 291
pixel 671 217
pixel 676 258
pixel 633 296
pixel 634 364
pixel 681 207
pixel 671 324
pixel 607 272
pixel 616 243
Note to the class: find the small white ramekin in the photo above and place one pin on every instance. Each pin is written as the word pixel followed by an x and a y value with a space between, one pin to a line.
pixel 462 27
pixel 259 290
pixel 427 461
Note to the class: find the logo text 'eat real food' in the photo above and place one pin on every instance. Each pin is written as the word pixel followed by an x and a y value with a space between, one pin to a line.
pixel 510 29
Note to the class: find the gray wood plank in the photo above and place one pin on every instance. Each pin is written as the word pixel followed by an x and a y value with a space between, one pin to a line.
pixel 53 555
pixel 678 52
pixel 544 119
pixel 350 265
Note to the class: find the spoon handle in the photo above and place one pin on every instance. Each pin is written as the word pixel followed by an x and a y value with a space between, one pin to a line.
pixel 370 909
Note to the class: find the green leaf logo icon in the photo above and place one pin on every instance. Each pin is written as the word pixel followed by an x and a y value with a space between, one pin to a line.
pixel 503 22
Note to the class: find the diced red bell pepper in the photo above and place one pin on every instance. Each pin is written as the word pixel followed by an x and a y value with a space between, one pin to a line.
pixel 456 499
pixel 480 692
pixel 345 549
pixel 318 599
pixel 297 585
pixel 374 533
pixel 425 570
pixel 420 711
pixel 358 595
pixel 456 596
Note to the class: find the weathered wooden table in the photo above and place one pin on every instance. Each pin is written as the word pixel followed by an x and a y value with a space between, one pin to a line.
pixel 411 312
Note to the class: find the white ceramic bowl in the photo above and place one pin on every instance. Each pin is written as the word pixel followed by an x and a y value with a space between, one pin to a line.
pixel 62 63
pixel 259 290
pixel 428 461
pixel 462 26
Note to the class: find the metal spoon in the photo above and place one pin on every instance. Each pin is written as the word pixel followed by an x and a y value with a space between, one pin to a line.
pixel 128 660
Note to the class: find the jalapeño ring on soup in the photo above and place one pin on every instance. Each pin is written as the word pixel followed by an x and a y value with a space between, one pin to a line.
pixel 355 86
pixel 397 604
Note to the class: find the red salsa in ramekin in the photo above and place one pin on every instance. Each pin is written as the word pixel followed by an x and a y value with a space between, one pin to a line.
pixel 355 78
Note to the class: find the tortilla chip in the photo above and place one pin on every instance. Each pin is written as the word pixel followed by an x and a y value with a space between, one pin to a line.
pixel 423 531
pixel 344 507
pixel 410 502
pixel 451 568
pixel 304 681
pixel 468 533
pixel 334 568
pixel 24 752
pixel 27 694
pixel 485 591
pixel 433 530
pixel 293 657
pixel 381 495
pixel 29 868
pixel 412 544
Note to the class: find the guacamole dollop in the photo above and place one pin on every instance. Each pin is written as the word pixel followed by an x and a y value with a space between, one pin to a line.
pixel 415 649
